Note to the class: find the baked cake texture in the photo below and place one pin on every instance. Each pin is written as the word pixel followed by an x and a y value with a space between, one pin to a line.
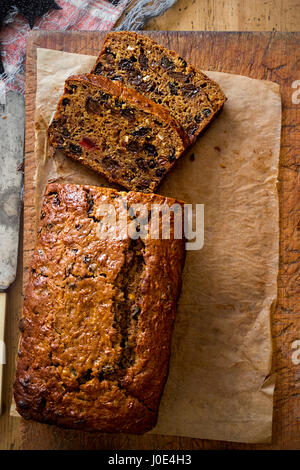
pixel 163 76
pixel 98 316
pixel 116 131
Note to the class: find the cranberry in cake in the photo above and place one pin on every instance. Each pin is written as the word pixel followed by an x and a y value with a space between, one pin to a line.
pixel 116 132
pixel 163 76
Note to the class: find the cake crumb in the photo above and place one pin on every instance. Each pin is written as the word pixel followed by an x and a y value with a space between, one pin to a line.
pixel 20 167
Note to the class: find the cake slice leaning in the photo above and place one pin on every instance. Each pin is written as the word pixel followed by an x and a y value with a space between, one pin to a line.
pixel 163 76
pixel 116 132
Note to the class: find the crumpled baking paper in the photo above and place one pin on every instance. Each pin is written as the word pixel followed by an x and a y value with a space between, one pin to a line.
pixel 219 385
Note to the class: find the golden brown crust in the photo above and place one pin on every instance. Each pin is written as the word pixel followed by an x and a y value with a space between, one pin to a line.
pixel 98 317
pixel 114 43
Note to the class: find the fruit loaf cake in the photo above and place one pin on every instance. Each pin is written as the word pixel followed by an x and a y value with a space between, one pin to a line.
pixel 163 76
pixel 116 131
pixel 98 316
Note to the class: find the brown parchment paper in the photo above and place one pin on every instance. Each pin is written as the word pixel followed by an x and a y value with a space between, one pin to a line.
pixel 219 385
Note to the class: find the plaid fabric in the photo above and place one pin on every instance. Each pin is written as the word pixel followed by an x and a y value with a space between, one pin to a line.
pixel 75 14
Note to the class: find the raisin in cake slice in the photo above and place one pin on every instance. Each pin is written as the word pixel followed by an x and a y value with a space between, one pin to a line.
pixel 116 132
pixel 140 63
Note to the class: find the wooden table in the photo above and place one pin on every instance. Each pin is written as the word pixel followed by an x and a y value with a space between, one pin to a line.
pixel 229 15
pixel 271 56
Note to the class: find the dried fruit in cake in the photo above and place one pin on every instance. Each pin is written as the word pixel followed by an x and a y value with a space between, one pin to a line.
pixel 98 315
pixel 116 131
pixel 140 63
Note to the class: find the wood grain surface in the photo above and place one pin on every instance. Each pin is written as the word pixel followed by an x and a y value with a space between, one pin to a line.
pixel 229 15
pixel 270 56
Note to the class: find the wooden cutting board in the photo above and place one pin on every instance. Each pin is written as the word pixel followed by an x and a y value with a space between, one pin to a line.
pixel 269 56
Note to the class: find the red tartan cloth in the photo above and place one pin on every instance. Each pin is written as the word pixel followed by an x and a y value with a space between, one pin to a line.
pixel 96 15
